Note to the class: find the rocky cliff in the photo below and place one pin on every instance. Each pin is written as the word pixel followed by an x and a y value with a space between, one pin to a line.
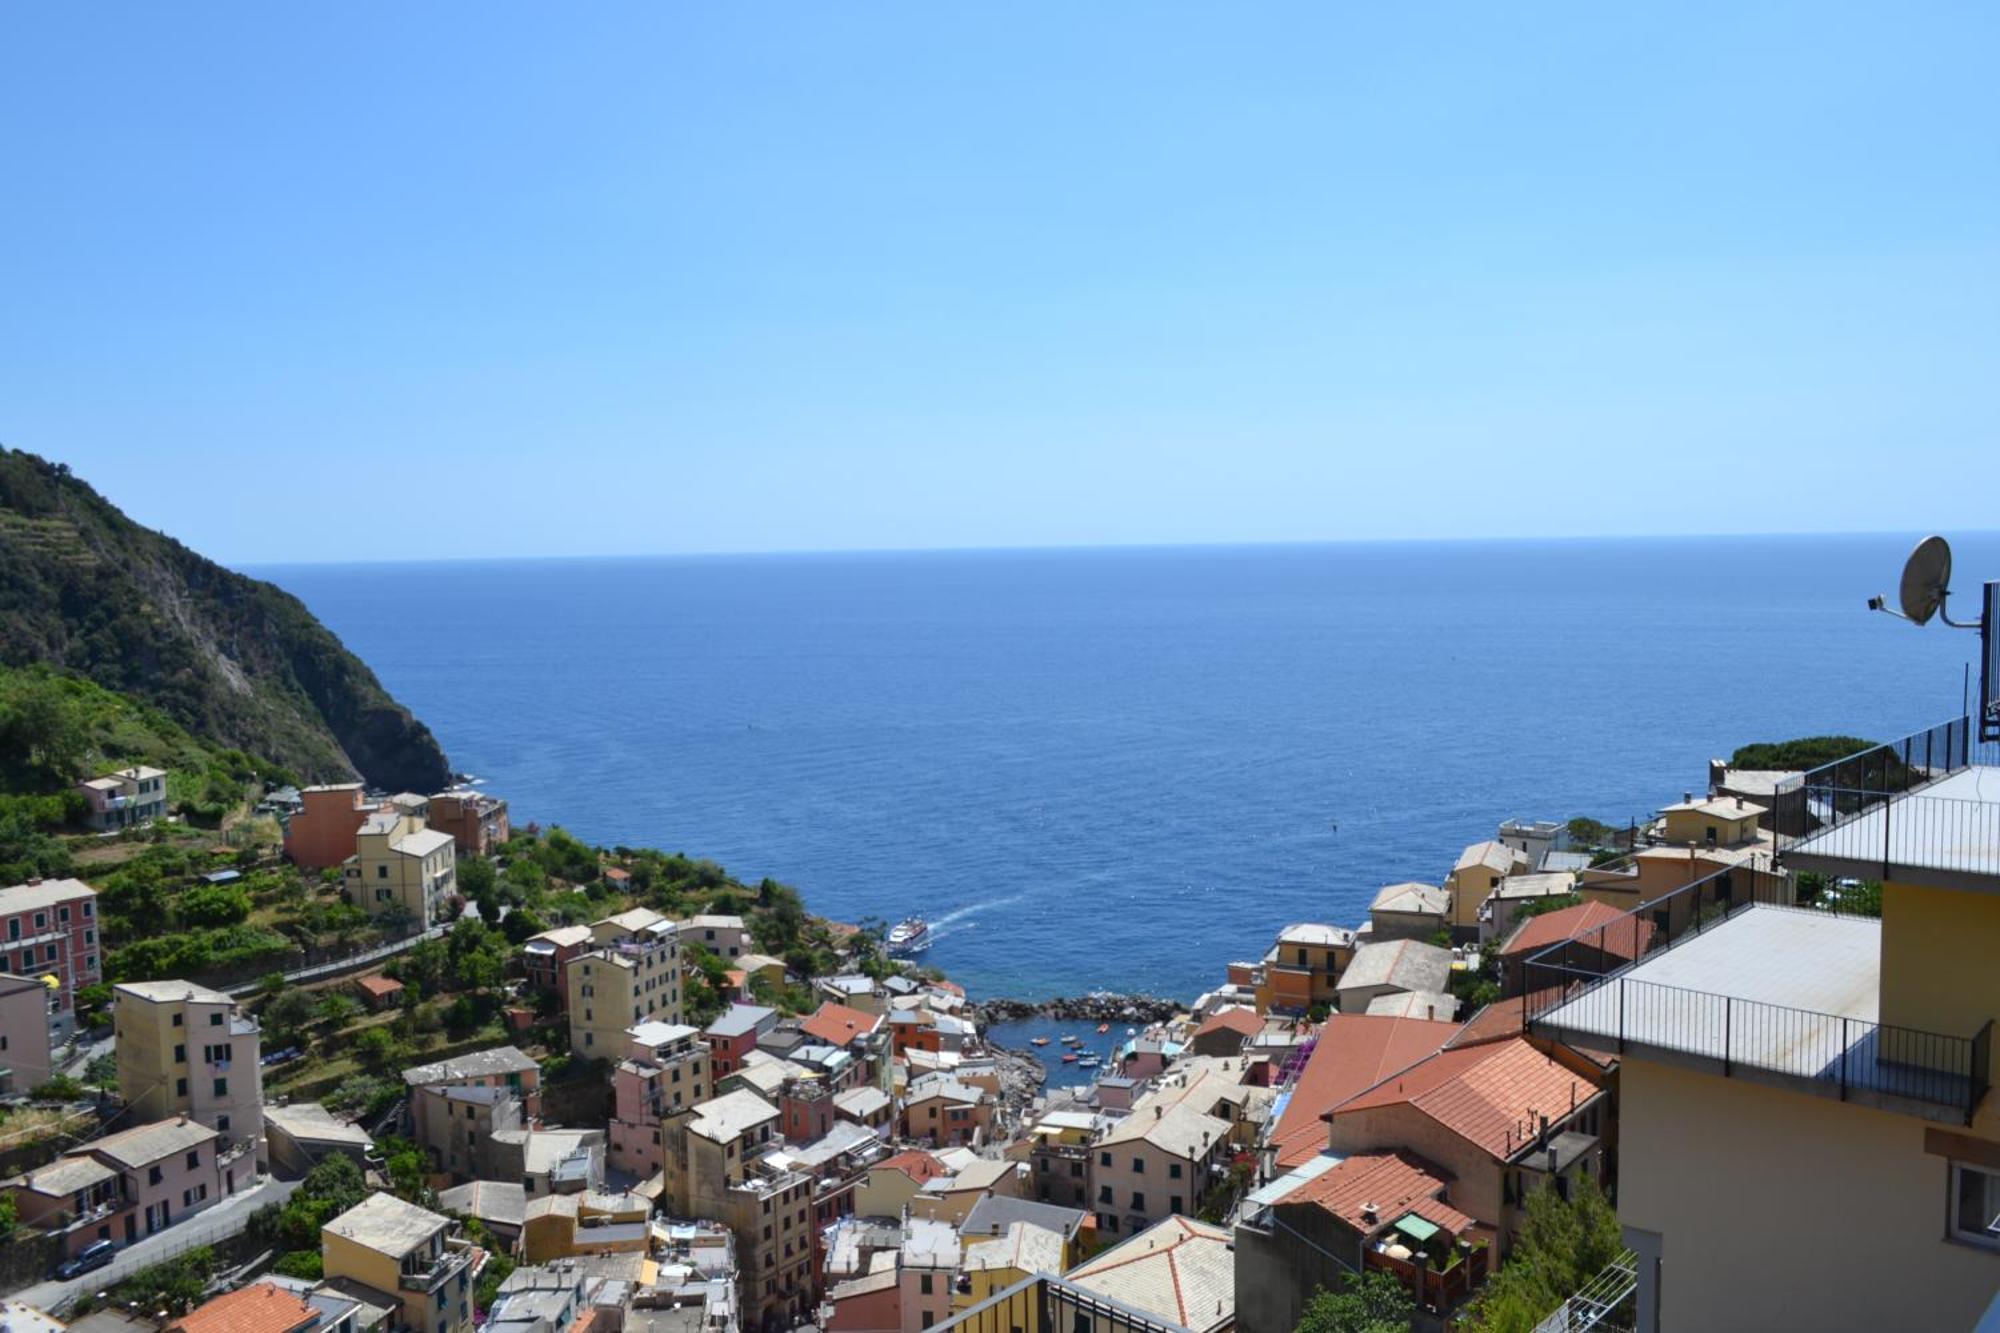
pixel 234 659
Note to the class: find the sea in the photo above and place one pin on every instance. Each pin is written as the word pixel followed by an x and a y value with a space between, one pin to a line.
pixel 1122 768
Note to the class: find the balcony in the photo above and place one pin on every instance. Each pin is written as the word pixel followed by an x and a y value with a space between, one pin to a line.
pixel 428 1275
pixel 1922 810
pixel 1762 991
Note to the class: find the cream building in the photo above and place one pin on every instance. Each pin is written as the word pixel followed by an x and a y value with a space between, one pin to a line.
pixel 629 974
pixel 406 1254
pixel 184 1049
pixel 400 866
pixel 1474 877
pixel 1807 1139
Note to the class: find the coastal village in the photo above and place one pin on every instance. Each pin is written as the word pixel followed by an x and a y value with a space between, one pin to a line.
pixel 1770 1001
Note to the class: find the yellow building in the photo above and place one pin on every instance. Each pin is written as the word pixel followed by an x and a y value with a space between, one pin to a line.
pixel 630 974
pixel 400 868
pixel 563 1226
pixel 1716 821
pixel 991 1266
pixel 1807 1139
pixel 1478 872
pixel 1302 968
pixel 184 1049
pixel 406 1255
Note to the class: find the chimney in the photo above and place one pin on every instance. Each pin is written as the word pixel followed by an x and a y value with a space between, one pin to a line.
pixel 1687 797
pixel 1368 1212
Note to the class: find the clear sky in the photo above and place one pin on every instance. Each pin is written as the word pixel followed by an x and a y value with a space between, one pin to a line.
pixel 368 281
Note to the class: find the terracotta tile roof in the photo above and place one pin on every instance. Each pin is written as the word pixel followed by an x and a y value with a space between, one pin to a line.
pixel 1488 1095
pixel 590 1320
pixel 1503 1018
pixel 258 1308
pixel 378 986
pixel 837 1025
pixel 1395 1183
pixel 917 1165
pixel 1628 940
pixel 1244 1021
pixel 1354 1052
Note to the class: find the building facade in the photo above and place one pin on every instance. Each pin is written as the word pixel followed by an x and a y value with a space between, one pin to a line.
pixel 184 1049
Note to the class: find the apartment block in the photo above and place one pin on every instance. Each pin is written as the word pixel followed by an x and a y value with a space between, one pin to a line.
pixel 124 799
pixel 25 1060
pixel 321 832
pixel 129 1185
pixel 728 1171
pixel 401 869
pixel 545 959
pixel 629 974
pixel 1849 1057
pixel 665 1074
pixel 459 1106
pixel 48 928
pixel 476 821
pixel 408 1257
pixel 184 1049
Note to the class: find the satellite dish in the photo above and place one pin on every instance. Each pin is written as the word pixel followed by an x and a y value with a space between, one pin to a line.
pixel 1926 579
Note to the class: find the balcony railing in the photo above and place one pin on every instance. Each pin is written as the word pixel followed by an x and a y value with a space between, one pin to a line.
pixel 426 1276
pixel 1845 790
pixel 1584 991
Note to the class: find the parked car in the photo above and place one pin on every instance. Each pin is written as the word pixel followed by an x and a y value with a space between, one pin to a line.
pixel 92 1256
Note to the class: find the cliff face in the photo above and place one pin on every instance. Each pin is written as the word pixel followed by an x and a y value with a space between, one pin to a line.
pixel 234 659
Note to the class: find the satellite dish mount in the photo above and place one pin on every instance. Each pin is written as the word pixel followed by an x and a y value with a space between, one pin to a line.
pixel 1925 588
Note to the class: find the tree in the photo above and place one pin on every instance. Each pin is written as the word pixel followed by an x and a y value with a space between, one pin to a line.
pixel 213 905
pixel 1370 1302
pixel 337 1009
pixel 288 1013
pixel 1562 1245
pixel 378 1050
pixel 477 877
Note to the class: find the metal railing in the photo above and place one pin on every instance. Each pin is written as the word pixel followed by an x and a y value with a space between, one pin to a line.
pixel 1840 792
pixel 1935 832
pixel 1588 978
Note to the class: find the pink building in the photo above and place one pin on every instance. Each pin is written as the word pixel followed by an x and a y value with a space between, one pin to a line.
pixel 666 1072
pixel 734 1035
pixel 24 1034
pixel 48 928
pixel 128 1185
pixel 545 959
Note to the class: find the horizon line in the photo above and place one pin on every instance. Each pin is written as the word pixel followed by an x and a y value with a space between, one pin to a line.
pixel 1059 548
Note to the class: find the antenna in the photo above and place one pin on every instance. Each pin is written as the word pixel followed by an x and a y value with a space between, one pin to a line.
pixel 1925 587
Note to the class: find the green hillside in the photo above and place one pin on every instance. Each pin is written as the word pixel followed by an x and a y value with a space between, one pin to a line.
pixel 232 659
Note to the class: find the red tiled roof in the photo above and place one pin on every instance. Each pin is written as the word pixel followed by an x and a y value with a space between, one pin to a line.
pixel 1244 1021
pixel 836 1024
pixel 1354 1051
pixel 1395 1182
pixel 614 874
pixel 591 1319
pixel 917 1165
pixel 1489 1095
pixel 1503 1018
pixel 1581 923
pixel 378 986
pixel 257 1308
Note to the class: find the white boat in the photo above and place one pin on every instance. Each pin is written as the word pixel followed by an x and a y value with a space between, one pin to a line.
pixel 912 935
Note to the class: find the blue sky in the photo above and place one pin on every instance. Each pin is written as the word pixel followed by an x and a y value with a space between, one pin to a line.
pixel 452 280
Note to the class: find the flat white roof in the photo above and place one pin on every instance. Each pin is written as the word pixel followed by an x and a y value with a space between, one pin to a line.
pixel 1829 967
pixel 1952 825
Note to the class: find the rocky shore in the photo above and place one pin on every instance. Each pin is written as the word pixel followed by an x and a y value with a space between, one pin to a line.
pixel 1097 1007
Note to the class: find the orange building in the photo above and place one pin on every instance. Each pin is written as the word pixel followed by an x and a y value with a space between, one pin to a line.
pixel 322 833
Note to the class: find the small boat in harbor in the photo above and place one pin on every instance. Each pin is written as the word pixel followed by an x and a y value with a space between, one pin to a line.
pixel 1088 1062
pixel 1103 1028
pixel 908 936
pixel 1070 1059
pixel 1071 1039
pixel 1038 1041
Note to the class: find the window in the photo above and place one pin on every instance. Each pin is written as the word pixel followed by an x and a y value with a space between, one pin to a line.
pixel 382 871
pixel 215 1019
pixel 1173 1171
pixel 222 1087
pixel 194 1159
pixel 49 953
pixel 86 912
pixel 41 920
pixel 180 1055
pixel 13 927
pixel 222 1124
pixel 153 1175
pixel 1104 1194
pixel 1138 1202
pixel 90 937
pixel 1975 1205
pixel 62 914
pixel 1138 1166
pixel 924 1284
pixel 1174 1205
pixel 180 1087
pixel 1104 1159
pixel 928 1318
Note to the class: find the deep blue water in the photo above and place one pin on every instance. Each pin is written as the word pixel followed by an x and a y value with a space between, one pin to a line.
pixel 1122 768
